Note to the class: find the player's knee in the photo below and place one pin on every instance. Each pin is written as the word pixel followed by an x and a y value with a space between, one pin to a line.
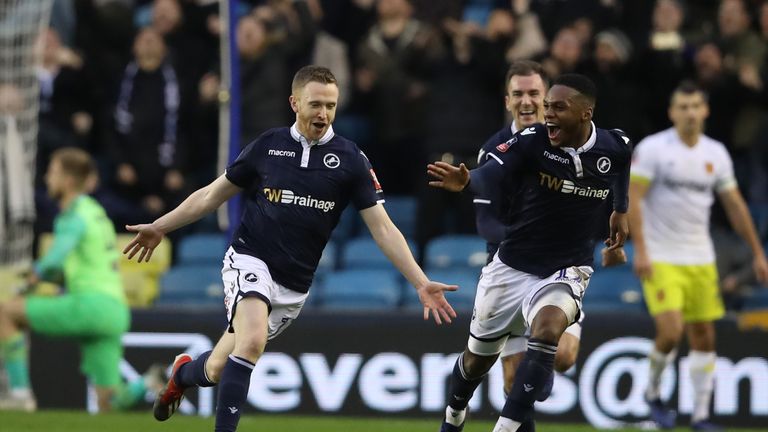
pixel 476 366
pixel 250 347
pixel 549 324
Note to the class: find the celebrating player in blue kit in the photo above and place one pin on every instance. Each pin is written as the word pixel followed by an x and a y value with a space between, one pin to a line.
pixel 564 171
pixel 297 181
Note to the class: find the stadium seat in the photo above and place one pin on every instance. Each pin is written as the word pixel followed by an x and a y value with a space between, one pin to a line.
pixel 192 286
pixel 328 260
pixel 402 211
pixel 364 253
pixel 140 280
pixel 757 300
pixel 451 251
pixel 760 216
pixel 360 290
pixel 463 299
pixel 615 289
pixel 202 249
pixel 347 226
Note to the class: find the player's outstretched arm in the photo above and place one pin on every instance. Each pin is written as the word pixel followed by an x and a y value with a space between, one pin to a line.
pixel 448 177
pixel 741 221
pixel 197 205
pixel 394 246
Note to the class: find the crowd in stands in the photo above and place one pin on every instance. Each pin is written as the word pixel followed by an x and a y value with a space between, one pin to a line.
pixel 136 83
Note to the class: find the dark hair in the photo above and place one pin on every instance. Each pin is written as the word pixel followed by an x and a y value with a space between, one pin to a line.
pixel 580 83
pixel 75 162
pixel 688 87
pixel 525 68
pixel 309 74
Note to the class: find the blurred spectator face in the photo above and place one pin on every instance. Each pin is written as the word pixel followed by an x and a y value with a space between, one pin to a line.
pixel 688 111
pixel 251 36
pixel 566 47
pixel 524 99
pixel 732 18
pixel 583 30
pixel 49 45
pixel 764 19
pixel 500 24
pixel 611 48
pixel 315 108
pixel 166 15
pixel 388 9
pixel 709 62
pixel 149 46
pixel 667 16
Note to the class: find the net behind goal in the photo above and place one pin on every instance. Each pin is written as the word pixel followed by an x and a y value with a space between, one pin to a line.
pixel 21 21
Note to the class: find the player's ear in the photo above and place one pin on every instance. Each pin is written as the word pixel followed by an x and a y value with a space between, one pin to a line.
pixel 588 112
pixel 294 103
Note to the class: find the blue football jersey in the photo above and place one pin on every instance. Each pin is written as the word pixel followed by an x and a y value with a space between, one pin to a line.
pixel 493 207
pixel 559 194
pixel 295 192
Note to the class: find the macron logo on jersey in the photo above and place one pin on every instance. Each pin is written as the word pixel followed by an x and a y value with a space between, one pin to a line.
pixel 285 196
pixel 284 153
pixel 568 187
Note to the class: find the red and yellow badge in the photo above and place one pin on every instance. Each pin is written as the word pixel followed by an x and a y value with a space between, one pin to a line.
pixel 709 167
pixel 503 147
pixel 376 184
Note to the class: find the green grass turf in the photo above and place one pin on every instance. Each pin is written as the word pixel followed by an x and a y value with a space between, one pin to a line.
pixel 66 421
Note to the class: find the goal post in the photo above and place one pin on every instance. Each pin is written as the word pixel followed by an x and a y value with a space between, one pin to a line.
pixel 21 22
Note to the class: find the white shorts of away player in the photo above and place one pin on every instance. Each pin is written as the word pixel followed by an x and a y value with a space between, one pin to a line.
pixel 508 300
pixel 246 276
pixel 516 345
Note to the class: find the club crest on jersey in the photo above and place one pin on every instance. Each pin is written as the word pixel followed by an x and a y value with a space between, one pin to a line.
pixel 251 277
pixel 709 167
pixel 331 160
pixel 603 164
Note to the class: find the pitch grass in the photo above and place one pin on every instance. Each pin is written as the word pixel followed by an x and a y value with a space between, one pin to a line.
pixel 71 421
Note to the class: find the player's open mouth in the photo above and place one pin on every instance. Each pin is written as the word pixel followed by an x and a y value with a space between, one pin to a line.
pixel 553 131
pixel 527 113
pixel 319 125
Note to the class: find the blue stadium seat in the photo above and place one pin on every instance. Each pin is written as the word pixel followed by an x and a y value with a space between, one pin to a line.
pixel 760 216
pixel 463 299
pixel 758 299
pixel 192 286
pixel 364 253
pixel 202 249
pixel 451 251
pixel 329 259
pixel 614 288
pixel 360 290
pixel 402 211
pixel 347 226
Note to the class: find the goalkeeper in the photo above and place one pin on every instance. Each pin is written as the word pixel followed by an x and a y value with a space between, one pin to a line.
pixel 93 311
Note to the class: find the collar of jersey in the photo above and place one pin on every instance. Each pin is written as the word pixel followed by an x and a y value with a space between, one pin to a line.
pixel 587 145
pixel 329 134
pixel 513 127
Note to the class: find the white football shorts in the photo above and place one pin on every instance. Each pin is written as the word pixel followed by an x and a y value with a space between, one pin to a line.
pixel 247 276
pixel 505 300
